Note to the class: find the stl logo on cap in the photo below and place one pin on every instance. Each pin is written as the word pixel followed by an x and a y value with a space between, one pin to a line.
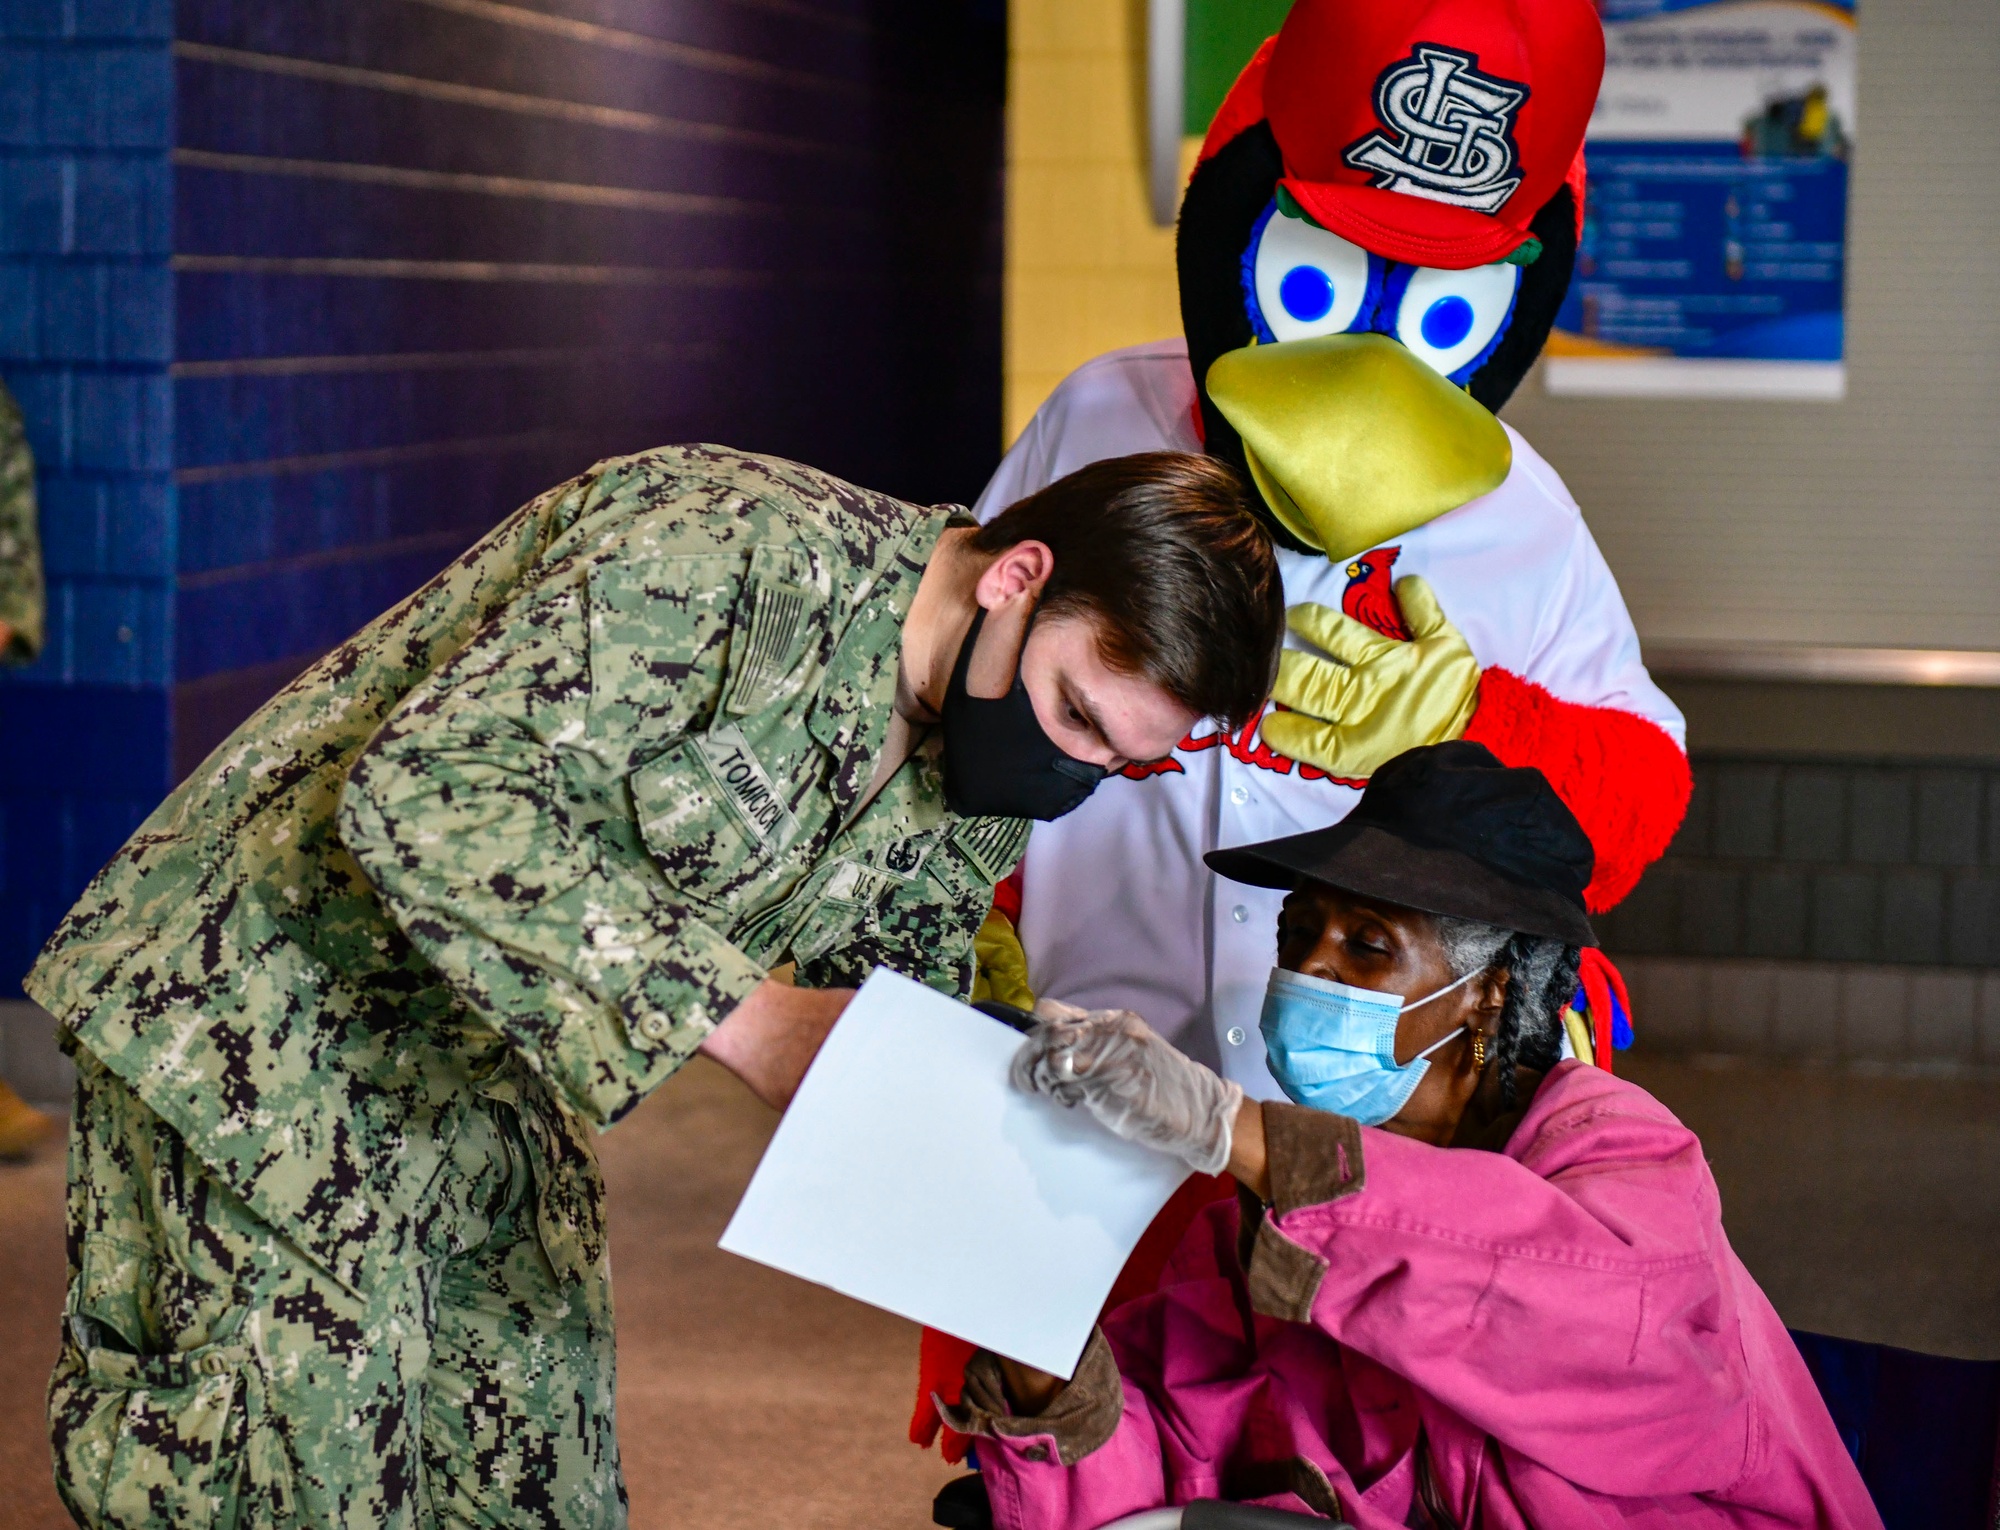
pixel 1428 132
pixel 1456 127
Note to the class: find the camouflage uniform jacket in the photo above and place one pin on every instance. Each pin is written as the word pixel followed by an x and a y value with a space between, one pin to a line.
pixel 20 547
pixel 535 830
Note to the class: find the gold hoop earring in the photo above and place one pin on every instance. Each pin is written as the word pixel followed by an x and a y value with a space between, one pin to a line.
pixel 1479 1050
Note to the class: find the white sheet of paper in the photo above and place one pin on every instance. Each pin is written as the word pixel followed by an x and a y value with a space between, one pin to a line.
pixel 909 1173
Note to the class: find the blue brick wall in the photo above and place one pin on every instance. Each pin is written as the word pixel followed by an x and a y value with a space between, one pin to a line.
pixel 82 766
pixel 86 336
pixel 300 299
pixel 86 323
pixel 431 261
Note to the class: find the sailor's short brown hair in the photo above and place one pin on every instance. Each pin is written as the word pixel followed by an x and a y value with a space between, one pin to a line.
pixel 1164 550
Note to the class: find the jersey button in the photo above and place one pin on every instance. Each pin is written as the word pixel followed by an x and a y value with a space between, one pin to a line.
pixel 1239 913
pixel 1239 795
pixel 1234 1035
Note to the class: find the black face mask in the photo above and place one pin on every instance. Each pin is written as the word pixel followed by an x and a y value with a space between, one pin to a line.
pixel 998 763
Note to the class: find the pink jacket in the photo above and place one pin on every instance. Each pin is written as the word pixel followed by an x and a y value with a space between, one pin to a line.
pixel 1555 1335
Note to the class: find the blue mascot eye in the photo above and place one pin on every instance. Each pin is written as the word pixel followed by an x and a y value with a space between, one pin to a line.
pixel 1307 293
pixel 1451 320
pixel 1304 281
pixel 1447 322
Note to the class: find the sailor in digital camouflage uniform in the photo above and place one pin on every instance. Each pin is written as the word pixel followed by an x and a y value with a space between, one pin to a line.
pixel 346 1006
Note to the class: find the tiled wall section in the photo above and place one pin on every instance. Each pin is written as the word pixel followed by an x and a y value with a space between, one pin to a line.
pixel 435 255
pixel 1825 861
pixel 1944 1018
pixel 79 767
pixel 86 334
pixel 85 338
pixel 1841 911
pixel 1087 268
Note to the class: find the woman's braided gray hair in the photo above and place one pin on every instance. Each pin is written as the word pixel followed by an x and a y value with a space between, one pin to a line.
pixel 1541 979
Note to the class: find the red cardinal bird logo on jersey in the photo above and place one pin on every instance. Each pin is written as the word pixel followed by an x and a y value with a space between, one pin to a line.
pixel 1370 598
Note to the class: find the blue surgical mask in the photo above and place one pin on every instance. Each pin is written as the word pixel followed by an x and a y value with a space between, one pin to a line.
pixel 1333 1047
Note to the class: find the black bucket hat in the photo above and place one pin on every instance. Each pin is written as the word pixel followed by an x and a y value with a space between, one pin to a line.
pixel 1449 830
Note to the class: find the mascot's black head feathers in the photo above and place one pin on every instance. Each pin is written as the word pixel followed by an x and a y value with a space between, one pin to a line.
pixel 1230 191
pixel 1544 285
pixel 1222 204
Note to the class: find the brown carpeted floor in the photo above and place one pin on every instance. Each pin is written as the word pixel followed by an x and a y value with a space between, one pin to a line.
pixel 1868 1207
pixel 747 1400
pixel 31 1290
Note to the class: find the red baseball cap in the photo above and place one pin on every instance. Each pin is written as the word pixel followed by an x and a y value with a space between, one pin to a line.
pixel 1426 131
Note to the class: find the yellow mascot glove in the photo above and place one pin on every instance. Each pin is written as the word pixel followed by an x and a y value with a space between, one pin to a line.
pixel 1378 696
pixel 1001 965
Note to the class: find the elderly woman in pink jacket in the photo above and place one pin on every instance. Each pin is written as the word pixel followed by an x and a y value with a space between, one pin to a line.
pixel 1465 1283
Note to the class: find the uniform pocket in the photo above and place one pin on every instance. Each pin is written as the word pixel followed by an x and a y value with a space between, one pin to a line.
pixel 147 1435
pixel 847 903
pixel 713 819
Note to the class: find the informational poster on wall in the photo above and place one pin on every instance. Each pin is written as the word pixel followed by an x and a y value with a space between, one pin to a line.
pixel 1715 227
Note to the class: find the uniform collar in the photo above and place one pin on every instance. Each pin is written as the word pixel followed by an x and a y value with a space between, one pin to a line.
pixel 850 716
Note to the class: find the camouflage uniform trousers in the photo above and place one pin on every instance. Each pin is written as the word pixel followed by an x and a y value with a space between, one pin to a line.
pixel 213 1375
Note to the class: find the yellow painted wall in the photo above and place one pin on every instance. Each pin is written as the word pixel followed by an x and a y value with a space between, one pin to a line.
pixel 1087 269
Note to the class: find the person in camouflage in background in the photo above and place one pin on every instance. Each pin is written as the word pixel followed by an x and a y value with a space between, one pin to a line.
pixel 20 544
pixel 22 1127
pixel 346 1007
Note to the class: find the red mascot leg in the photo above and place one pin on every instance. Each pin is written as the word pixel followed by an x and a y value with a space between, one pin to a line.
pixel 941 1364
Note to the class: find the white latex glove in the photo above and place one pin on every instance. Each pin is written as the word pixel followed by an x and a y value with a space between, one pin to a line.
pixel 1133 1080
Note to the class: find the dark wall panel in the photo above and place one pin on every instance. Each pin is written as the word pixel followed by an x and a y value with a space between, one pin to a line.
pixel 429 247
pixel 1783 859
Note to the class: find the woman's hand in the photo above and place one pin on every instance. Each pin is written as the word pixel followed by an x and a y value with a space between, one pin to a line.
pixel 1029 1391
pixel 1132 1080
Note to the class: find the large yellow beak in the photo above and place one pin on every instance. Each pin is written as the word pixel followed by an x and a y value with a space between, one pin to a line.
pixel 1353 441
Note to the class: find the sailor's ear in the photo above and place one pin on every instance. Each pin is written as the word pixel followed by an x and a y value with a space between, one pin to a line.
pixel 1544 285
pixel 1022 569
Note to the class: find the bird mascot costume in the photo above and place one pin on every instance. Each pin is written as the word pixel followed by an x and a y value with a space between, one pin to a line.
pixel 1372 248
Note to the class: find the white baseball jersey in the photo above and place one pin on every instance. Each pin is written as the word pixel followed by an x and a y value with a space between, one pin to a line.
pixel 1118 909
